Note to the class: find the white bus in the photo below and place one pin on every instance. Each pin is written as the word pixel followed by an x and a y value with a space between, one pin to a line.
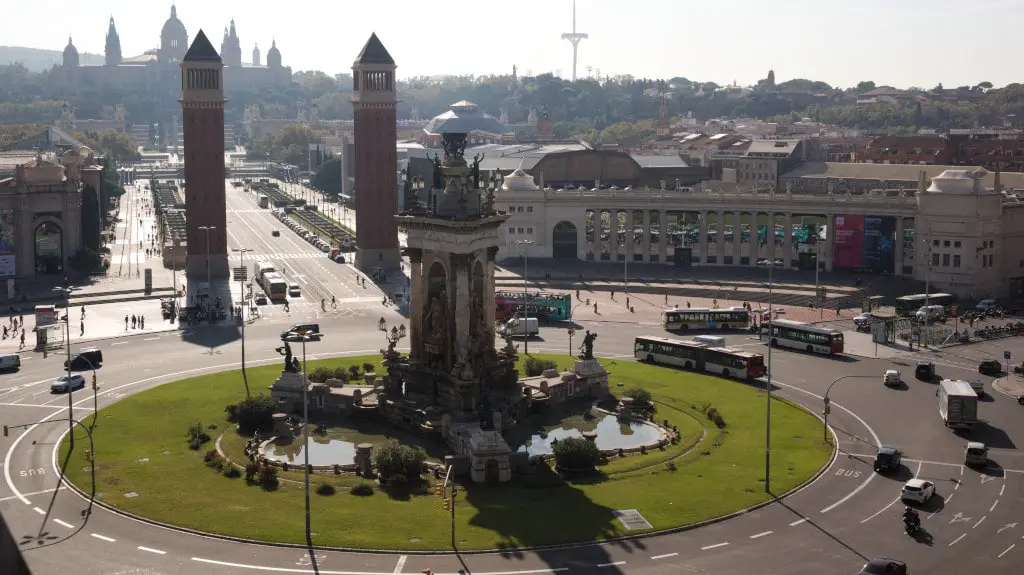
pixel 699 357
pixel 260 268
pixel 680 319
pixel 803 336
pixel 274 285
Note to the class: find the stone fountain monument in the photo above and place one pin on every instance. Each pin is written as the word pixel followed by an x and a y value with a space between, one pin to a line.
pixel 454 380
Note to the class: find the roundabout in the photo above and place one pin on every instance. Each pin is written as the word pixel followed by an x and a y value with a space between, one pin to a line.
pixel 146 468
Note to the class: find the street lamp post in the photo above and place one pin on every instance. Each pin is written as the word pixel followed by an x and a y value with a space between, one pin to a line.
pixel 241 285
pixel 828 402
pixel 768 386
pixel 208 229
pixel 526 292
pixel 571 332
pixel 817 268
pixel 66 290
pixel 304 337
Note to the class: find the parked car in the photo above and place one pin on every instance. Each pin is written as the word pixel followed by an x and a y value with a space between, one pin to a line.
pixel 985 304
pixel 925 371
pixel 917 491
pixel 884 566
pixel 888 459
pixel 65 383
pixel 990 367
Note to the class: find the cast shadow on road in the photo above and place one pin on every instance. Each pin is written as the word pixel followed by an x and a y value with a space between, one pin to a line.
pixel 555 511
pixel 212 337
pixel 992 437
pixel 821 529
pixel 43 538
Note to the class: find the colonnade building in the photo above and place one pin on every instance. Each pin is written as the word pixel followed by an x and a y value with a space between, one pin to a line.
pixel 965 237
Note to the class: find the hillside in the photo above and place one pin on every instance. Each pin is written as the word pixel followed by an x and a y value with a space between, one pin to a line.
pixel 37 59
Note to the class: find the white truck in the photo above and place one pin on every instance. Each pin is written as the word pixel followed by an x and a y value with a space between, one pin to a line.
pixel 958 403
pixel 520 327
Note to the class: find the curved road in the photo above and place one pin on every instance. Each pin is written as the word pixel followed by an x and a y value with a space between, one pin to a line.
pixel 831 526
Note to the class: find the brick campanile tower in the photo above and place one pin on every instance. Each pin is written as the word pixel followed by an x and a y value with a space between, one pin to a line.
pixel 374 98
pixel 202 107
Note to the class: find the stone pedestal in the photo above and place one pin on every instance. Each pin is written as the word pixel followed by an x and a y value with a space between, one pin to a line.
pixel 364 459
pixel 590 374
pixel 590 436
pixel 288 390
pixel 282 431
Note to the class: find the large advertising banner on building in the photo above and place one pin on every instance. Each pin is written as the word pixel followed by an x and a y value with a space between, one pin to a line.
pixel 6 243
pixel 848 242
pixel 879 252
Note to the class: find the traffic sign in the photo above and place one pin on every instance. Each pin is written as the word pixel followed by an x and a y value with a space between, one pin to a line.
pixel 952 311
pixel 1006 354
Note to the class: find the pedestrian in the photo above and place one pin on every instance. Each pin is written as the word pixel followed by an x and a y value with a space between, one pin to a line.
pixel 83 312
pixel 666 299
pixel 22 340
pixel 142 322
pixel 627 301
pixel 82 330
pixel 126 322
pixel 134 321
pixel 5 332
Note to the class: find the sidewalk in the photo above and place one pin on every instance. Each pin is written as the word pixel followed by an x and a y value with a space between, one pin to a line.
pixel 1012 385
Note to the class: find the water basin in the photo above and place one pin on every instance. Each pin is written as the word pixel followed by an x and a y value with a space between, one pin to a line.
pixel 611 434
pixel 322 452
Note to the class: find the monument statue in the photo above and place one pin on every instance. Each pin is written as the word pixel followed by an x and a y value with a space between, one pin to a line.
pixel 475 169
pixel 437 320
pixel 290 364
pixel 438 174
pixel 587 347
pixel 454 146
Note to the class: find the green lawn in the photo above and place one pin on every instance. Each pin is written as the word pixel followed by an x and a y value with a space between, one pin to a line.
pixel 723 473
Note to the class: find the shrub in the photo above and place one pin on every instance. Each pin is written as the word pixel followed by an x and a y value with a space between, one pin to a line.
pixel 321 374
pixel 369 368
pixel 341 373
pixel 232 472
pixel 353 371
pixel 719 421
pixel 535 367
pixel 337 469
pixel 640 396
pixel 325 489
pixel 671 466
pixel 711 413
pixel 362 490
pixel 196 436
pixel 251 471
pixel 252 413
pixel 575 454
pixel 210 456
pixel 268 478
pixel 393 459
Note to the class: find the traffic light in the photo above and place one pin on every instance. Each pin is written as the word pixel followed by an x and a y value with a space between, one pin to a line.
pixel 439 488
pixel 5 431
pixel 94 386
pixel 447 504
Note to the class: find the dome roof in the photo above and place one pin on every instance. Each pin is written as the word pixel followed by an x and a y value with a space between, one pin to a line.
pixel 273 51
pixel 173 26
pixel 70 49
pixel 519 181
pixel 465 117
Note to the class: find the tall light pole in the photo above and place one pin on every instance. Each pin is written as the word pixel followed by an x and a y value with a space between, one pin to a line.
pixel 305 336
pixel 526 292
pixel 66 290
pixel 817 268
pixel 768 387
pixel 208 229
pixel 241 285
pixel 827 401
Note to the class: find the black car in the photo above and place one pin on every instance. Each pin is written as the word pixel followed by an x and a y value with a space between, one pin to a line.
pixel 925 371
pixel 990 367
pixel 888 459
pixel 884 566
pixel 89 358
pixel 275 233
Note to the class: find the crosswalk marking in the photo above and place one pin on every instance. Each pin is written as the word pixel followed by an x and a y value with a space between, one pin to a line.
pixel 287 256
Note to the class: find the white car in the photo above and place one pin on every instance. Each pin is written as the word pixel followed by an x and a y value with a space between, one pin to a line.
pixel 863 319
pixel 985 304
pixel 63 383
pixel 294 290
pixel 917 491
pixel 891 377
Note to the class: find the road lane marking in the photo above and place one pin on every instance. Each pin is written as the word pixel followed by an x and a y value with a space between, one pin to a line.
pixel 797 522
pixel 979 522
pixel 39 511
pixel 103 537
pixel 151 339
pixel 715 546
pixel 891 503
pixel 953 542
pixel 614 564
pixel 63 524
pixel 1007 551
pixel 665 556
pixel 151 550
pixel 325 572
pixel 29 405
pixel 761 534
pixel 1001 489
pixel 401 563
pixel 119 343
pixel 991 509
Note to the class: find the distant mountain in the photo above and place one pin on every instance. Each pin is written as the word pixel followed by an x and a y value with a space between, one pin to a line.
pixel 37 60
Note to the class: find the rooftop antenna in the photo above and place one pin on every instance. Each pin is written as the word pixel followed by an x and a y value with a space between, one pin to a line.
pixel 574 38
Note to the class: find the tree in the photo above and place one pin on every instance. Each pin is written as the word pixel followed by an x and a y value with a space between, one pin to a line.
pixel 863 87
pixel 116 145
pixel 328 177
pixel 394 459
pixel 575 454
pixel 91 222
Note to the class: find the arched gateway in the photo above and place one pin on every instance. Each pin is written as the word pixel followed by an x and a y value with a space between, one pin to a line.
pixel 564 241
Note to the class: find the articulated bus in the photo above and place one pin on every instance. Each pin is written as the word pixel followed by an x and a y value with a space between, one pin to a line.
pixel 545 306
pixel 679 319
pixel 700 357
pixel 803 336
pixel 909 304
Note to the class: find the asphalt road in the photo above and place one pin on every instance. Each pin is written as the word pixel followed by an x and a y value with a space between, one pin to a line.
pixel 831 526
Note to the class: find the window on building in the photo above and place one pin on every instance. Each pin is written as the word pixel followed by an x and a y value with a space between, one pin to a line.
pixel 529 208
pixel 935 243
pixel 956 260
pixel 945 260
pixel 529 230
pixel 945 244
pixel 520 230
pixel 956 244
pixel 935 259
pixel 512 231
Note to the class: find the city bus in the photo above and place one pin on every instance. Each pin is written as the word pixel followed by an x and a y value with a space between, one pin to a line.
pixel 545 306
pixel 909 304
pixel 699 357
pixel 264 202
pixel 680 319
pixel 274 285
pixel 803 336
pixel 261 268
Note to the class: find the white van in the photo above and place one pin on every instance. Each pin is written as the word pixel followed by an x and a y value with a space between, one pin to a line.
pixel 520 327
pixel 930 313
pixel 710 340
pixel 10 362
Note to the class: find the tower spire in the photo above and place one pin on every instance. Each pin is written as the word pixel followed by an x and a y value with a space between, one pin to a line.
pixel 574 38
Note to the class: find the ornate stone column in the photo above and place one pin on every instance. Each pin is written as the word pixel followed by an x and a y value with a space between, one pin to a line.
pixel 898 247
pixel 703 245
pixel 461 307
pixel 613 236
pixel 663 237
pixel 720 239
pixel 418 300
pixel 489 305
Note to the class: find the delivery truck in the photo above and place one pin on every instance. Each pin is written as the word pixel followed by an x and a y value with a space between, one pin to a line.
pixel 958 404
pixel 520 327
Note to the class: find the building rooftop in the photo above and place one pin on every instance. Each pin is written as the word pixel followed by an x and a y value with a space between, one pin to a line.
pixel 374 52
pixel 894 173
pixel 659 161
pixel 201 50
pixel 462 118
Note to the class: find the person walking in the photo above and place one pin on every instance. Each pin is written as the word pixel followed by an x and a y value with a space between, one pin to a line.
pixel 22 345
pixel 134 321
pixel 142 322
pixel 126 323
pixel 83 312
pixel 82 331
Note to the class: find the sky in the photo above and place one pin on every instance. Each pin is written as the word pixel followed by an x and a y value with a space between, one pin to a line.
pixel 891 42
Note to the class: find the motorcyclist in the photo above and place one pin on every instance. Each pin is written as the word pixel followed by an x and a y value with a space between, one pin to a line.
pixel 911 517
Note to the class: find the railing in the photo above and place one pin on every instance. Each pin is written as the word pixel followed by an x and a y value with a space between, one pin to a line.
pixel 901 198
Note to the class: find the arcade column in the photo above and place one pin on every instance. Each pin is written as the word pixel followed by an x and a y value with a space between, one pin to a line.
pixel 787 241
pixel 737 238
pixel 629 239
pixel 489 305
pixel 416 303
pixel 703 246
pixel 645 242
pixel 830 232
pixel 898 241
pixel 720 239
pixel 613 236
pixel 460 273
pixel 769 237
pixel 755 247
pixel 663 236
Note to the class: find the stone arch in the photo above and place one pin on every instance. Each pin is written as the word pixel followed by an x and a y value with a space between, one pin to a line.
pixel 48 247
pixel 564 240
pixel 437 317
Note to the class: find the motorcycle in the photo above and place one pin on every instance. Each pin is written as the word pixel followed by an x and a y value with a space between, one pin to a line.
pixel 911 525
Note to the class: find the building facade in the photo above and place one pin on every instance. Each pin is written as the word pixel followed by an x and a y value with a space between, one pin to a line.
pixel 374 98
pixel 202 105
